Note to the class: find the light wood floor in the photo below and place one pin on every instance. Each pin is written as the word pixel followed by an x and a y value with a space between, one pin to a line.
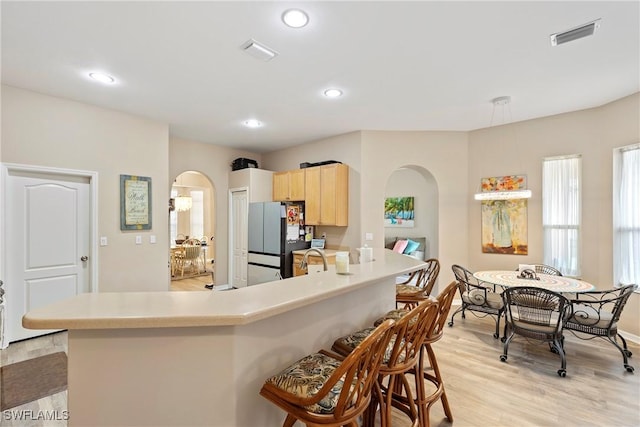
pixel 482 390
pixel 195 283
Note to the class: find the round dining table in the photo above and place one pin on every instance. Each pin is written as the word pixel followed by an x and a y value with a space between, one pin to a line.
pixel 508 278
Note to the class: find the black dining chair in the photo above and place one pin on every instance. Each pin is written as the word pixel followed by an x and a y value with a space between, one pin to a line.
pixel 596 314
pixel 477 298
pixel 536 313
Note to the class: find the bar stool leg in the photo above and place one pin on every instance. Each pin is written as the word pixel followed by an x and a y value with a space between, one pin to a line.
pixel 443 397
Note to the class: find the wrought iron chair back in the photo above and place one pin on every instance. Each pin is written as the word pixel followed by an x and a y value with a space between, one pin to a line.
pixel 597 313
pixel 476 297
pixel 536 313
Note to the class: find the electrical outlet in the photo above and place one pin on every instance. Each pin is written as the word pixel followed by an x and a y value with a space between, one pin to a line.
pixel 138 240
pixel 152 238
pixel 368 236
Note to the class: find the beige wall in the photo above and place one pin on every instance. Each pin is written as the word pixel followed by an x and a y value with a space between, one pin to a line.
pixel 443 155
pixel 54 132
pixel 519 148
pixel 214 162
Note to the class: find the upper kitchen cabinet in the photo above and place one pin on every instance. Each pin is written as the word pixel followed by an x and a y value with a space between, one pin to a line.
pixel 289 185
pixel 327 195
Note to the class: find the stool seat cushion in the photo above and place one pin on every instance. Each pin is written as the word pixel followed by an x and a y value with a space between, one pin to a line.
pixel 306 377
pixel 349 342
pixel 408 290
pixel 396 314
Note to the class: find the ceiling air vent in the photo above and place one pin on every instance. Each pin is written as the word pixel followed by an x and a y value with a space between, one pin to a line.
pixel 575 33
pixel 258 50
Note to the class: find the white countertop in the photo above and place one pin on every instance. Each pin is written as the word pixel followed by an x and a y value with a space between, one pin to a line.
pixel 226 308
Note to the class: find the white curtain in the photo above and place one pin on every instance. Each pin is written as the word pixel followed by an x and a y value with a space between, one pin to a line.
pixel 561 213
pixel 197 214
pixel 626 216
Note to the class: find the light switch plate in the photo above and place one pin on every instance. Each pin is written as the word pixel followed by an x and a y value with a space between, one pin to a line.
pixel 152 238
pixel 138 240
pixel 103 241
pixel 368 236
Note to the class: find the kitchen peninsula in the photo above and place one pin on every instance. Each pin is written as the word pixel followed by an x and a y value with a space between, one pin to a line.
pixel 193 358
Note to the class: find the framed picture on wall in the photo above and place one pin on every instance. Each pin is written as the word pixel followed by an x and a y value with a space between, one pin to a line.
pixel 135 202
pixel 398 212
pixel 504 227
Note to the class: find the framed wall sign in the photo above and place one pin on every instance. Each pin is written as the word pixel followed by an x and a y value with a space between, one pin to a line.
pixel 135 202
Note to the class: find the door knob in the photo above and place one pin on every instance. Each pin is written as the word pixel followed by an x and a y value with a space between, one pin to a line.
pixel 84 258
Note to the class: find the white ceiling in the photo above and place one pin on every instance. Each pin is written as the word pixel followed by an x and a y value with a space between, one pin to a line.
pixel 402 65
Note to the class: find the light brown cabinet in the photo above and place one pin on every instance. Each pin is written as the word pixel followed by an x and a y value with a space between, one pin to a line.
pixel 327 195
pixel 289 185
pixel 312 259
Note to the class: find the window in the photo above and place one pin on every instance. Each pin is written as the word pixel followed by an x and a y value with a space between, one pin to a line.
pixel 197 214
pixel 626 215
pixel 561 215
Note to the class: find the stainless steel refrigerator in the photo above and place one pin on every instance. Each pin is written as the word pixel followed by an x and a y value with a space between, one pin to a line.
pixel 275 230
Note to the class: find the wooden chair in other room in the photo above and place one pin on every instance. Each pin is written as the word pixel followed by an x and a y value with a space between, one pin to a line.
pixel 536 313
pixel 401 357
pixel 596 314
pixel 191 256
pixel 313 391
pixel 418 286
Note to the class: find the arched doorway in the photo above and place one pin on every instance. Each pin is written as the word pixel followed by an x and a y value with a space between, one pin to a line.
pixel 417 182
pixel 196 219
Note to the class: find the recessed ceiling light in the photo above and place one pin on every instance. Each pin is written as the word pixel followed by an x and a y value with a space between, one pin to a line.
pixel 332 93
pixel 295 18
pixel 252 123
pixel 102 78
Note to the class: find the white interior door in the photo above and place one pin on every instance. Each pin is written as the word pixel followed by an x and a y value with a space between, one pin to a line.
pixel 47 247
pixel 239 241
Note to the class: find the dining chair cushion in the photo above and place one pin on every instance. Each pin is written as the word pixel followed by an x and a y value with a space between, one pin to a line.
pixel 585 314
pixel 539 328
pixel 349 342
pixel 306 377
pixel 477 297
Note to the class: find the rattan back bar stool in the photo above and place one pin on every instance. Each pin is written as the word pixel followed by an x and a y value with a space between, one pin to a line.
pixel 424 401
pixel 325 389
pixel 418 286
pixel 401 357
pixel 445 298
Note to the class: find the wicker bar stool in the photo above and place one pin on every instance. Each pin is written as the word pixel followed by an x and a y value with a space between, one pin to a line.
pixel 313 390
pixel 424 402
pixel 418 286
pixel 445 298
pixel 401 357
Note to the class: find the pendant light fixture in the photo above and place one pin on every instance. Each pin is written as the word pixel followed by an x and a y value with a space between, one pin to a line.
pixel 183 203
pixel 508 193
